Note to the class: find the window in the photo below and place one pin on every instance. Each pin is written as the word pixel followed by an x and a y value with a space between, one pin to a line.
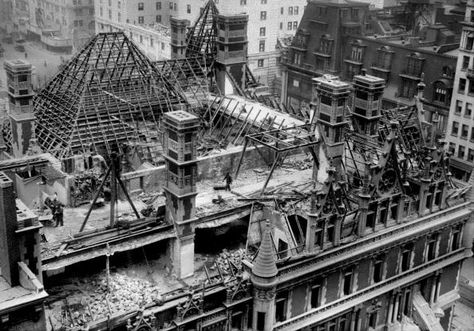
pixel 355 13
pixel 295 10
pixel 414 65
pixel 296 83
pixel 281 25
pixel 377 274
pixel 280 306
pixel 263 2
pixel 243 2
pixel 455 128
pixel 260 321
pixel 357 53
pixel 471 87
pixel 260 63
pixel 263 15
pixel 469 41
pixel 452 147
pixel 405 262
pixel 431 244
pixel 188 9
pixel 141 6
pixel 347 281
pixel 372 319
pixel 151 42
pixel 472 134
pixel 171 6
pixel 440 92
pixel 101 12
pixel 455 237
pixel 141 20
pixel 384 57
pixel 158 5
pixel 290 10
pixel 470 155
pixel 118 17
pixel 261 46
pixel 408 88
pixel 465 62
pixel 458 108
pixel 282 10
pixel 468 110
pixel 316 294
pixel 297 58
pixel 462 85
pixel 158 18
pixel 318 235
pixel 464 131
pixel 290 26
pixel 262 32
pixel 110 14
pixel 295 25
pixel 141 39
pixel 461 151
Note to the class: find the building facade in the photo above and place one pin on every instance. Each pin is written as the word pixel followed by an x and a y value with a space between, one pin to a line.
pixel 344 47
pixel 62 26
pixel 460 131
pixel 268 20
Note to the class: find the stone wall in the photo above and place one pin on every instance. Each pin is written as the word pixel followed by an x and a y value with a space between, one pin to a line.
pixel 209 167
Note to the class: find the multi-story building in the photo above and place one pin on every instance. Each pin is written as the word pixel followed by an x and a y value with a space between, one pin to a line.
pixel 333 38
pixel 22 294
pixel 380 4
pixel 62 26
pixel 460 131
pixel 268 20
pixel 6 14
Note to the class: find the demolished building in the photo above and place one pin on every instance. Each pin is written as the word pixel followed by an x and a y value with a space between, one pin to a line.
pixel 348 217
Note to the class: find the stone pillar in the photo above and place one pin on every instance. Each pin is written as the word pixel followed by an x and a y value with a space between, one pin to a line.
pixel 330 103
pixel 20 93
pixel 424 188
pixel 178 37
pixel 367 103
pixel 180 143
pixel 231 52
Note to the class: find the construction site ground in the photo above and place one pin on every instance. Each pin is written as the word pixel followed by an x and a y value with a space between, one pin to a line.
pixel 136 282
pixel 295 171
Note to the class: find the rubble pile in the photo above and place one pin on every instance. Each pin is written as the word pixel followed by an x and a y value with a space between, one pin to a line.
pixel 229 259
pixel 297 164
pixel 95 302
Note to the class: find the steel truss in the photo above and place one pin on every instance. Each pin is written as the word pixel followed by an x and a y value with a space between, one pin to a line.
pixel 282 142
pixel 108 95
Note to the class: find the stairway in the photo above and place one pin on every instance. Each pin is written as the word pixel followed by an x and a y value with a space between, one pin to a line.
pixel 423 314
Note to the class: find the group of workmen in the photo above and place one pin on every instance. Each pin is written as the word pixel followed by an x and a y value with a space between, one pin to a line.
pixel 57 209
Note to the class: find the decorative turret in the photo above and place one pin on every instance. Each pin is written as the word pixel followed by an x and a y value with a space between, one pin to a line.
pixel 264 265
pixel 264 271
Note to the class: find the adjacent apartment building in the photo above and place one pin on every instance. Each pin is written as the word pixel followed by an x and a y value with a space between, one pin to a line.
pixel 337 38
pixel 61 25
pixel 268 21
pixel 460 132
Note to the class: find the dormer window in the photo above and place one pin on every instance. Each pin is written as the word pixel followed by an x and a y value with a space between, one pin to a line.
pixel 384 57
pixel 414 64
pixel 441 91
pixel 326 44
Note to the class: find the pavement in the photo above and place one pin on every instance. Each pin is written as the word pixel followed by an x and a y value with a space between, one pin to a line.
pixel 45 62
